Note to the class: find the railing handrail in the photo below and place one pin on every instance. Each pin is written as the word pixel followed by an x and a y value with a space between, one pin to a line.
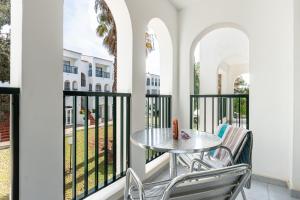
pixel 158 95
pixel 9 90
pixel 89 93
pixel 220 95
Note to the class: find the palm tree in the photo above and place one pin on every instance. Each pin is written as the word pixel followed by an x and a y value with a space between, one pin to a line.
pixel 108 31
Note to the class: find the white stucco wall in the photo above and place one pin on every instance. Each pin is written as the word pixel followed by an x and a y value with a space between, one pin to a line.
pixel 295 147
pixel 141 13
pixel 229 46
pixel 37 68
pixel 271 67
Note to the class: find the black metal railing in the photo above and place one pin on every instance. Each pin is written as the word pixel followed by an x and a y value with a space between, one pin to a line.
pixel 70 69
pixel 9 143
pixel 208 111
pixel 96 145
pixel 158 112
pixel 102 74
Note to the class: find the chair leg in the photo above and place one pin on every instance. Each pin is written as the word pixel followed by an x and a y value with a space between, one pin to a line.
pixel 243 194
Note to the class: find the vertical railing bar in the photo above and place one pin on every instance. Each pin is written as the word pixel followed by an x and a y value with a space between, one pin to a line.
pixel 96 142
pixel 170 112
pixel 128 130
pixel 213 113
pixel 239 112
pixel 148 122
pixel 230 110
pixel 163 113
pixel 204 114
pixel 156 112
pixel 64 147
pixel 247 110
pixel 122 133
pixel 86 142
pixel 197 107
pixel 114 137
pixel 15 139
pixel 74 149
pixel 218 111
pixel 191 112
pixel 105 140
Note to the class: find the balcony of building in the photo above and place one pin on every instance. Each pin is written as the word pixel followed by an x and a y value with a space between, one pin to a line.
pixel 59 143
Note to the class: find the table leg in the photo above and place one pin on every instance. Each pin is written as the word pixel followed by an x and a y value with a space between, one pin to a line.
pixel 173 165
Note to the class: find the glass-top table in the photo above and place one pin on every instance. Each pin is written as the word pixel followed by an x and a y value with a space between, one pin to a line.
pixel 161 140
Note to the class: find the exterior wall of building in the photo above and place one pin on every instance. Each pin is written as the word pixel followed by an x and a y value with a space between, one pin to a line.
pixel 87 66
pixel 271 71
pixel 153 85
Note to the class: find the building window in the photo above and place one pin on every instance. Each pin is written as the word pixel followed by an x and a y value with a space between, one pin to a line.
pixel 158 82
pixel 98 88
pixel 67 62
pixel 90 70
pixel 152 81
pixel 155 82
pixel 90 87
pixel 106 88
pixel 67 86
pixel 148 91
pixel 148 81
pixel 74 85
pixel 83 80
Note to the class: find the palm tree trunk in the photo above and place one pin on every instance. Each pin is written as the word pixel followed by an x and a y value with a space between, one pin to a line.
pixel 114 88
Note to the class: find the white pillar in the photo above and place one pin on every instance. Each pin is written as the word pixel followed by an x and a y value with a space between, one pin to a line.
pixel 37 68
pixel 295 173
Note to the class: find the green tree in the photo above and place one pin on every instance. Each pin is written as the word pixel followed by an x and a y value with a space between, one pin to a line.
pixel 4 41
pixel 107 30
pixel 197 78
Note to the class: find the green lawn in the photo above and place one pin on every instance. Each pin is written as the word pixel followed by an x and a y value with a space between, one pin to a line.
pixel 80 159
pixel 4 174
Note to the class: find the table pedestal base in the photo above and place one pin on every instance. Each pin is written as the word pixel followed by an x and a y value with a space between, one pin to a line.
pixel 173 165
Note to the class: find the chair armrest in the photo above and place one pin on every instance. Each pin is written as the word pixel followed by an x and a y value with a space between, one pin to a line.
pixel 229 153
pixel 131 175
pixel 200 162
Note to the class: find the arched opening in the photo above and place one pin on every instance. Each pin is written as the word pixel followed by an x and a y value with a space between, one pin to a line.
pixel 219 55
pixel 98 87
pixel 158 78
pixel 83 80
pixel 74 85
pixel 67 86
pixel 106 88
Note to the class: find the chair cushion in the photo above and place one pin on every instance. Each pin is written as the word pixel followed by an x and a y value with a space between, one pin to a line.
pixel 232 140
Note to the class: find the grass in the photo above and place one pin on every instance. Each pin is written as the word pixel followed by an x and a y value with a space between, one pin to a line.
pixel 80 160
pixel 4 174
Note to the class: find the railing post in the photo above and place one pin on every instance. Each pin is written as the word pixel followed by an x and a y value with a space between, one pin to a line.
pixel 247 110
pixel 15 145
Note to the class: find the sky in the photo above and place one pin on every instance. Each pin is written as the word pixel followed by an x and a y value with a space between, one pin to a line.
pixel 80 23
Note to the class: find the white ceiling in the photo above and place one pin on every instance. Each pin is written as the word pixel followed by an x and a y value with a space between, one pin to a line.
pixel 180 4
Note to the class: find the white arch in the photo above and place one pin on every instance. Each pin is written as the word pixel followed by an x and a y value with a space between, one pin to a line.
pixel 204 33
pixel 166 54
pixel 124 46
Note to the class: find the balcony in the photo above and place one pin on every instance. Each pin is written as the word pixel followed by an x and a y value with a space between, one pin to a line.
pixel 70 69
pixel 102 74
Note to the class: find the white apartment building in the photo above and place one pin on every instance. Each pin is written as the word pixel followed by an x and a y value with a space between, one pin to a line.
pixel 152 84
pixel 86 73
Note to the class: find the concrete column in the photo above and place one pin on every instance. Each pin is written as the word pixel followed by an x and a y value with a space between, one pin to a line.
pixel 295 173
pixel 37 67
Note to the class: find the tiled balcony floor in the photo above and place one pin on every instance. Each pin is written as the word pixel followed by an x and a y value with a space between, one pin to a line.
pixel 258 191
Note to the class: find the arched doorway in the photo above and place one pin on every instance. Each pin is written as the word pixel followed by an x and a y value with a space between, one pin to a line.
pixel 218 56
pixel 158 78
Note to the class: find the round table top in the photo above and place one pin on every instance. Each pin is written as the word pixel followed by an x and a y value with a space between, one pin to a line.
pixel 161 139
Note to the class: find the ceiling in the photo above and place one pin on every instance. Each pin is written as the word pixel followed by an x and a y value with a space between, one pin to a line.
pixel 181 4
